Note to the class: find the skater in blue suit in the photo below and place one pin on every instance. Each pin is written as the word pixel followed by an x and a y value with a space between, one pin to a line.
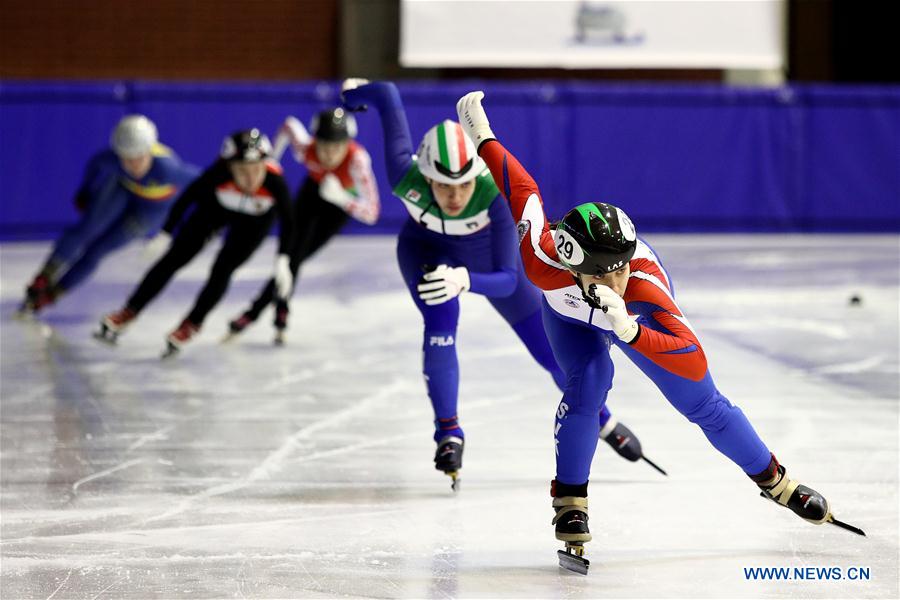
pixel 459 238
pixel 125 194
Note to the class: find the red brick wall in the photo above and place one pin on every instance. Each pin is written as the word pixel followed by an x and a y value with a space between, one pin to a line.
pixel 168 39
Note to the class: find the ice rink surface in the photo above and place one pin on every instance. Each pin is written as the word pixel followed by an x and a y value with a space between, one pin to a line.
pixel 248 471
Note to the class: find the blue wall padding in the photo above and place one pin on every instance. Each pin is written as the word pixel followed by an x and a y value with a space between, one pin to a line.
pixel 676 157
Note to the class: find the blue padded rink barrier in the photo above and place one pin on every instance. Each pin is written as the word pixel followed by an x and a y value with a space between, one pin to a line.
pixel 248 471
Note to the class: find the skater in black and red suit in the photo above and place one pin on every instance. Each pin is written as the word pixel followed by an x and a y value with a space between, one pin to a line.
pixel 340 184
pixel 242 191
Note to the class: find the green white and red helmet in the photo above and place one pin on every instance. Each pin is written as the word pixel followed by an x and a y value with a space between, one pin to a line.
pixel 447 155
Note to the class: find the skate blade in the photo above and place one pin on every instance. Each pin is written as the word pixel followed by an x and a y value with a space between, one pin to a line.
pixel 829 518
pixel 228 337
pixel 573 562
pixel 278 340
pixel 455 480
pixel 106 338
pixel 846 526
pixel 654 465
pixel 170 351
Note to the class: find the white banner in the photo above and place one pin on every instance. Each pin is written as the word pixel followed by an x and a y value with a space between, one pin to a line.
pixel 716 34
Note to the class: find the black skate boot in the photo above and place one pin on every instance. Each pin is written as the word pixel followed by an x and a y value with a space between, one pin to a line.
pixel 571 520
pixel 803 501
pixel 280 322
pixel 448 458
pixel 625 443
pixel 112 325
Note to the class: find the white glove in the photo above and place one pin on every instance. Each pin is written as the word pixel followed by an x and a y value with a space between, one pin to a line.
pixel 157 246
pixel 351 83
pixel 625 327
pixel 331 190
pixel 443 284
pixel 473 119
pixel 283 278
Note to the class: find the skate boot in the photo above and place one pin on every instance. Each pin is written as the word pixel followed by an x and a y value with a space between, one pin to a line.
pixel 280 323
pixel 178 338
pixel 448 458
pixel 39 293
pixel 803 501
pixel 625 443
pixel 112 325
pixel 237 326
pixel 571 504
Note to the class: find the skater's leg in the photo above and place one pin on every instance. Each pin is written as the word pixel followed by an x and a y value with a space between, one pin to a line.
pixel 243 239
pixel 185 246
pixel 723 424
pixel 141 218
pixel 583 354
pixel 329 220
pixel 304 225
pixel 730 432
pixel 440 364
pixel 105 208
pixel 318 221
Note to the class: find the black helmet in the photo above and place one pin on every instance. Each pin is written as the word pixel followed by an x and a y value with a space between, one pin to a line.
pixel 248 145
pixel 595 238
pixel 333 125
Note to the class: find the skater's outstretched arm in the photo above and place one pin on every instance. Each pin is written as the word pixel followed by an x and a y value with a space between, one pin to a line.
pixel 535 240
pixel 384 96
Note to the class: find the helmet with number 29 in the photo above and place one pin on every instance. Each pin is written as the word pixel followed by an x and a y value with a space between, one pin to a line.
pixel 595 238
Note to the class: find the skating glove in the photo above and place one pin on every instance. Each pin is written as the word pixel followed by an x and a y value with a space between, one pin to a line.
pixel 283 278
pixel 331 190
pixel 157 246
pixel 473 119
pixel 442 284
pixel 625 327
pixel 351 84
pixel 293 133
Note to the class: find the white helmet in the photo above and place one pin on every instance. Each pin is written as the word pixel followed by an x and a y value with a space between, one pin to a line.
pixel 134 136
pixel 447 155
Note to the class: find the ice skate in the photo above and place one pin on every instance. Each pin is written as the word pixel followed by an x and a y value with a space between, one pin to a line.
pixel 179 337
pixel 39 293
pixel 448 458
pixel 280 324
pixel 237 326
pixel 571 521
pixel 625 443
pixel 803 501
pixel 113 324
